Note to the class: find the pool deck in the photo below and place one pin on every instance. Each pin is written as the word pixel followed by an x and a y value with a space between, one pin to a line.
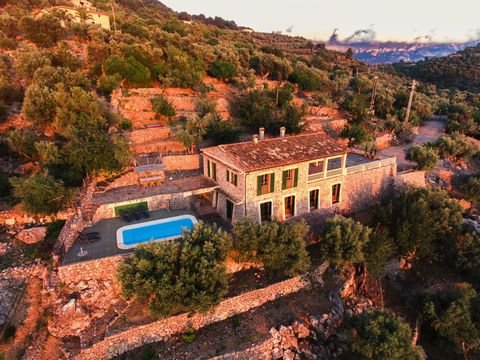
pixel 107 245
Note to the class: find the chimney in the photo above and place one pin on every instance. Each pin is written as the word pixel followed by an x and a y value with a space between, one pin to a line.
pixel 282 132
pixel 261 133
pixel 255 139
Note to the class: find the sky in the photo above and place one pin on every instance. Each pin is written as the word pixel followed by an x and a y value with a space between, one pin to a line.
pixel 399 20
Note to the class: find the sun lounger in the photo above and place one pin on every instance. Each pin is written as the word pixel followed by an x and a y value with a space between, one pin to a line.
pixel 127 217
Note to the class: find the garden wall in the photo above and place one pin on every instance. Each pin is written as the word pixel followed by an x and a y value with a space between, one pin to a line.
pixel 161 330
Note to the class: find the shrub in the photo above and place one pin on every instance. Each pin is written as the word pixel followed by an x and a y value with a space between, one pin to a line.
pixel 470 188
pixel 163 107
pixel 222 132
pixel 455 147
pixel 44 31
pixel 449 315
pixel 189 336
pixel 41 194
pixel 184 275
pixel 279 246
pixel 128 68
pixel 467 248
pixel 108 83
pixel 307 79
pixel 422 221
pixel 355 134
pixel 223 70
pixel 379 335
pixel 425 156
pixel 344 240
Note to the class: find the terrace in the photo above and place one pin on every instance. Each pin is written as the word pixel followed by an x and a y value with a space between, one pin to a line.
pixel 107 229
pixel 355 163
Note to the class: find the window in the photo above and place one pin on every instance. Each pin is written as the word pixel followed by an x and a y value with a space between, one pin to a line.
pixel 232 178
pixel 229 207
pixel 265 184
pixel 289 206
pixel 316 167
pixel 335 194
pixel 289 178
pixel 314 199
pixel 266 211
pixel 334 164
pixel 212 170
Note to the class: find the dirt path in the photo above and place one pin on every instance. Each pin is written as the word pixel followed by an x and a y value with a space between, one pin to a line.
pixel 429 131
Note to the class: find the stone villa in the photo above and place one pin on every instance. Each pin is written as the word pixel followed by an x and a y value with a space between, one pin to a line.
pixel 288 176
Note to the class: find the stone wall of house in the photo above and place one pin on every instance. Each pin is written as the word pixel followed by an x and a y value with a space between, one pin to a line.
pixel 361 189
pixel 162 330
pixel 357 190
pixel 181 162
pixel 415 178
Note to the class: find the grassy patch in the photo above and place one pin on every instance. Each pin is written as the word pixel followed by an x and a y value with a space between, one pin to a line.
pixel 131 208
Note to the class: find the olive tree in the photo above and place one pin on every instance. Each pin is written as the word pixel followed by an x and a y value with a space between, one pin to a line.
pixel 184 275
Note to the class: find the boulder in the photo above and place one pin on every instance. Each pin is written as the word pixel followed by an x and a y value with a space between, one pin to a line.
pixel 33 235
pixel 300 330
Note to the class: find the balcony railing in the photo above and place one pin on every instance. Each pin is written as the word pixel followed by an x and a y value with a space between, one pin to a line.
pixel 352 169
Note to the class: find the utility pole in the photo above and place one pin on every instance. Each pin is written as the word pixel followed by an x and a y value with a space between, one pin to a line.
pixel 374 95
pixel 410 99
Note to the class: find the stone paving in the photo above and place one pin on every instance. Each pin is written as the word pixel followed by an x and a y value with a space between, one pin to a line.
pixel 107 245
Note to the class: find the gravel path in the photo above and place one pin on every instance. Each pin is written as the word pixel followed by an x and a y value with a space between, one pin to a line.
pixel 429 131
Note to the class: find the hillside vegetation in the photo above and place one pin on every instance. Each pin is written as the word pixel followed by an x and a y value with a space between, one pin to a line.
pixel 460 70
pixel 57 75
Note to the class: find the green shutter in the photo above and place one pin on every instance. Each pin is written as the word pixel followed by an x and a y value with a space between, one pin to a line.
pixel 208 168
pixel 295 182
pixel 284 179
pixel 235 179
pixel 272 182
pixel 259 185
pixel 214 171
pixel 228 175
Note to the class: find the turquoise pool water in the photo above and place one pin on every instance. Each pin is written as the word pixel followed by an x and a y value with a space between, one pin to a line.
pixel 164 229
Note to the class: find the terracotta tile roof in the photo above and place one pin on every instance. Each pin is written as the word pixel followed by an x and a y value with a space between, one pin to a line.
pixel 248 156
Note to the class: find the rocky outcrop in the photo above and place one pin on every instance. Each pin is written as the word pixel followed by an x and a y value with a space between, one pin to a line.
pixel 33 235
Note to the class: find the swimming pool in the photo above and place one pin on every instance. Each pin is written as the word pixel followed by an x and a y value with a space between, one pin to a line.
pixel 171 228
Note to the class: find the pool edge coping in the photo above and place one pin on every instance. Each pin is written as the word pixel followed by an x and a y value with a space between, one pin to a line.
pixel 119 232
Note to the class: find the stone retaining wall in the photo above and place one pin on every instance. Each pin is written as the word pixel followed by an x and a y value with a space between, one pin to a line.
pixel 164 329
pixel 181 162
pixel 416 178
pixel 106 269
pixel 100 269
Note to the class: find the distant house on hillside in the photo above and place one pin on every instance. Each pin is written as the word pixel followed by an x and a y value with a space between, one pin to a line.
pixel 89 14
pixel 288 176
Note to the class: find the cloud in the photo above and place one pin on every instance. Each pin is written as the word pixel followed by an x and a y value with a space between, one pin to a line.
pixel 362 35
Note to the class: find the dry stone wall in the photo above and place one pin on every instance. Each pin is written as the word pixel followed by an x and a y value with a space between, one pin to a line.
pixel 164 329
pixel 415 178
